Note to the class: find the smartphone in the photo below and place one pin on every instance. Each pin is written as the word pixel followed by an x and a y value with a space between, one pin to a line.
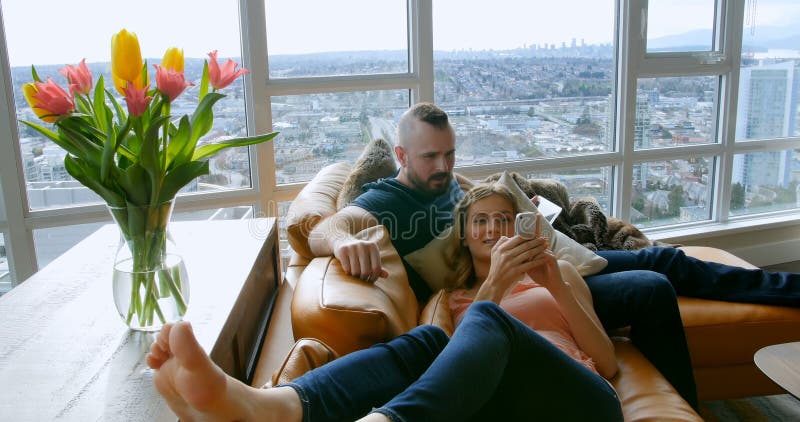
pixel 548 209
pixel 525 224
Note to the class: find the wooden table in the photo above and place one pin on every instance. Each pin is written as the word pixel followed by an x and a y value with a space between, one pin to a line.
pixel 781 363
pixel 65 353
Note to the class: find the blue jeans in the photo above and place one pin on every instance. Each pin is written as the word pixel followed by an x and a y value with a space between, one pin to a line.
pixel 626 295
pixel 646 301
pixel 493 368
pixel 709 280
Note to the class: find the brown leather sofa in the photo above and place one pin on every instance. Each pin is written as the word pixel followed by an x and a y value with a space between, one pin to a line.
pixel 328 307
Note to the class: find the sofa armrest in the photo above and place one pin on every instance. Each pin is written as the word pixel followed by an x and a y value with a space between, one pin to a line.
pixel 347 313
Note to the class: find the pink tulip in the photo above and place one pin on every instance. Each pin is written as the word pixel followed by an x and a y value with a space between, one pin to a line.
pixel 136 99
pixel 170 82
pixel 80 78
pixel 48 100
pixel 222 77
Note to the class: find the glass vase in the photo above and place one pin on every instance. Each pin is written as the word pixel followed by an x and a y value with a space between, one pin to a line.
pixel 150 282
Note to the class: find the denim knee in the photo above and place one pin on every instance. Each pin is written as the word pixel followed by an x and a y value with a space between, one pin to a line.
pixel 430 334
pixel 650 289
pixel 487 309
pixel 669 253
pixel 657 283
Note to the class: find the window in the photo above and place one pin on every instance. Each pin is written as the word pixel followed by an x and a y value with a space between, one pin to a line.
pixel 675 111
pixel 768 112
pixel 47 183
pixel 321 129
pixel 692 31
pixel 595 183
pixel 765 181
pixel 671 191
pixel 516 86
pixel 345 37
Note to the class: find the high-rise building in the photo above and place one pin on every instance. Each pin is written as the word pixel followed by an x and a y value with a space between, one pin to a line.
pixel 767 105
pixel 641 136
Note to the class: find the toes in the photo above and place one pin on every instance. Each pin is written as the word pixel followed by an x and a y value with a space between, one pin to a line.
pixel 184 346
pixel 163 336
pixel 159 350
pixel 154 361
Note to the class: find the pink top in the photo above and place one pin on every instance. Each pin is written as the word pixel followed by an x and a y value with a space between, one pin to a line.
pixel 535 307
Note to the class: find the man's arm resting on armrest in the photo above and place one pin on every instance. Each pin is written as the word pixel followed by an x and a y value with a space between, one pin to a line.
pixel 335 236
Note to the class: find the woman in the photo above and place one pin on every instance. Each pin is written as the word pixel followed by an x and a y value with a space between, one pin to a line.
pixel 494 366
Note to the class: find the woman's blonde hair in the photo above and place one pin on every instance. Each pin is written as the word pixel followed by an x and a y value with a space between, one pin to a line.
pixel 478 192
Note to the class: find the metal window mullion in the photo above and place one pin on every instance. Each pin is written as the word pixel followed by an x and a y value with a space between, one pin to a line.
pixel 20 249
pixel 315 85
pixel 630 45
pixel 252 21
pixel 679 67
pixel 540 166
pixel 732 20
pixel 777 144
pixel 420 48
pixel 98 212
pixel 677 153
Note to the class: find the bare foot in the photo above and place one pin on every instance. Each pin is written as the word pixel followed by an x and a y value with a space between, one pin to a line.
pixel 196 389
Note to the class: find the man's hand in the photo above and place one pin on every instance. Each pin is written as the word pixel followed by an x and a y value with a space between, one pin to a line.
pixel 335 236
pixel 360 258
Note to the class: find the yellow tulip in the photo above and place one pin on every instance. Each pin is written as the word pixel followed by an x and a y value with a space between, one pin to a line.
pixel 173 59
pixel 126 60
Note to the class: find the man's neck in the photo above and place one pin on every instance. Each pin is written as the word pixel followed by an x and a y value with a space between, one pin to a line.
pixel 403 179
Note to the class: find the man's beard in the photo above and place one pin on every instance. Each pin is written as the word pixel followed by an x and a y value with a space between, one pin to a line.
pixel 426 186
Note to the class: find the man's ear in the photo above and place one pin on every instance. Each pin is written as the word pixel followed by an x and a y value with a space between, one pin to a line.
pixel 401 155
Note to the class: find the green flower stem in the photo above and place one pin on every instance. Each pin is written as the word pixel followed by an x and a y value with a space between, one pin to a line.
pixel 144 230
pixel 166 134
pixel 173 285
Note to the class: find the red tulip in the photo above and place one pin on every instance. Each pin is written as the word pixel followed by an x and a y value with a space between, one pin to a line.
pixel 220 77
pixel 136 99
pixel 48 100
pixel 80 78
pixel 170 82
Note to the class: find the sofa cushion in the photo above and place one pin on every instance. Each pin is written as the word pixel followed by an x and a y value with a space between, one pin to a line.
pixel 347 313
pixel 439 262
pixel 437 312
pixel 644 393
pixel 315 201
pixel 305 355
pixel 375 162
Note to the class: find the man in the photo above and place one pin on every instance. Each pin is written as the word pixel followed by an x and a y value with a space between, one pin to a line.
pixel 415 206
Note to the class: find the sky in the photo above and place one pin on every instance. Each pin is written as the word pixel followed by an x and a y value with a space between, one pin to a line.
pixel 40 32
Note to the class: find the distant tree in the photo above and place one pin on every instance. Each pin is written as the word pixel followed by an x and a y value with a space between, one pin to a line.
pixel 533 151
pixel 36 151
pixel 218 179
pixel 737 196
pixel 676 200
pixel 638 203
